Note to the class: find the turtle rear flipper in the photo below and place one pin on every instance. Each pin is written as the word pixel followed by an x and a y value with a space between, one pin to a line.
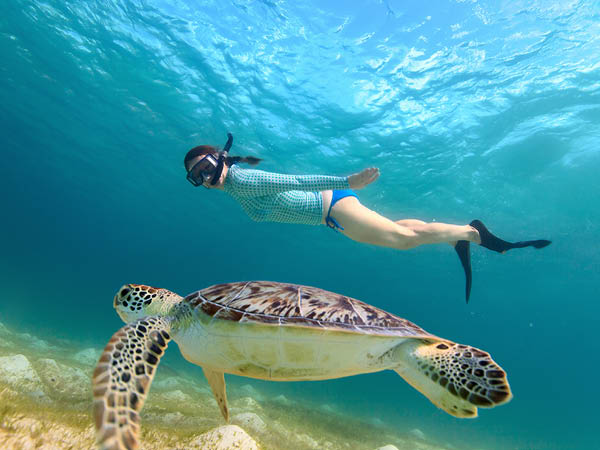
pixel 122 380
pixel 216 381
pixel 456 378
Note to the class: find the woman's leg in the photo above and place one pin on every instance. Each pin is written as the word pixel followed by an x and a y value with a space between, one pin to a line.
pixel 410 222
pixel 364 225
pixel 416 223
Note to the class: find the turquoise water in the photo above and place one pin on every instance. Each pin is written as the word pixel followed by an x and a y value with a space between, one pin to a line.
pixel 471 109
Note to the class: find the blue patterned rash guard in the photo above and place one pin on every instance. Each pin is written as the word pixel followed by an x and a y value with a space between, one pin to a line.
pixel 274 197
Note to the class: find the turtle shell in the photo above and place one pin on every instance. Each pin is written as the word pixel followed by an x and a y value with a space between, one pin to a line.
pixel 284 304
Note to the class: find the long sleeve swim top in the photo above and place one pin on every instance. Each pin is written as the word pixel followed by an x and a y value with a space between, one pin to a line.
pixel 274 197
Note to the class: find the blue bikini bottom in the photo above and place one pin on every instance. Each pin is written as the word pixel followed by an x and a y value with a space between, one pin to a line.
pixel 336 197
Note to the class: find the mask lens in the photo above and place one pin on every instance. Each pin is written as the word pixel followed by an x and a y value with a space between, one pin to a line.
pixel 204 165
pixel 202 170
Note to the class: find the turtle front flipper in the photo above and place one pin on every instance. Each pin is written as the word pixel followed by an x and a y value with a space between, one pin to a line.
pixel 456 378
pixel 122 380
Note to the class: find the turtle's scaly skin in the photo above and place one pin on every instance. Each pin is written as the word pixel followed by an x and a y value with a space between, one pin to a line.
pixel 279 332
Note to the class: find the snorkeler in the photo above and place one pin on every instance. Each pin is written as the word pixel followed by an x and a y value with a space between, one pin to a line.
pixel 330 200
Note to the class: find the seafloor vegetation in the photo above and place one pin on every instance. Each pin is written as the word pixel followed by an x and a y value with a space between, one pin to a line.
pixel 45 403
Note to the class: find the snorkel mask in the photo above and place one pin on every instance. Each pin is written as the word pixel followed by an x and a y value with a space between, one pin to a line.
pixel 209 167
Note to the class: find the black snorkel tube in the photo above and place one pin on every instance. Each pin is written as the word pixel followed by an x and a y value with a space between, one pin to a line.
pixel 221 161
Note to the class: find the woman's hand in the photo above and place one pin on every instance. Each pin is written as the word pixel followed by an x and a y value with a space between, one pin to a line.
pixel 364 177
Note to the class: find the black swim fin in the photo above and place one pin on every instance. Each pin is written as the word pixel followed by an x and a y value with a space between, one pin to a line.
pixel 464 254
pixel 489 241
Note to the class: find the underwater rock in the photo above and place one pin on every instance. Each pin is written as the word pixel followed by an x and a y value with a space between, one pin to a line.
pixel 17 371
pixel 415 432
pixel 177 396
pixel 211 402
pixel 282 399
pixel 35 342
pixel 4 331
pixel 328 409
pixel 376 421
pixel 388 447
pixel 64 381
pixel 247 404
pixel 173 418
pixel 307 441
pixel 176 383
pixel 17 368
pixel 167 383
pixel 248 390
pixel 26 433
pixel 88 356
pixel 5 342
pixel 250 420
pixel 224 438
pixel 277 427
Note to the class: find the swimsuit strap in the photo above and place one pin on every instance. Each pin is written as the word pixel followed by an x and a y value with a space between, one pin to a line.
pixel 333 224
pixel 336 196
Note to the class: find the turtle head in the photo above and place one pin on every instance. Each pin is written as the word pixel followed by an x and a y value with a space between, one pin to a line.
pixel 134 301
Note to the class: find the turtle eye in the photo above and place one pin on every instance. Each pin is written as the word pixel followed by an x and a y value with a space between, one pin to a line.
pixel 124 292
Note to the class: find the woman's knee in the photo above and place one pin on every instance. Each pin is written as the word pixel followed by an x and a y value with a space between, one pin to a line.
pixel 410 222
pixel 405 238
pixel 401 238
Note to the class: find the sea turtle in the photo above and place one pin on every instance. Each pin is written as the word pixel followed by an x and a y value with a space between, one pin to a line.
pixel 281 332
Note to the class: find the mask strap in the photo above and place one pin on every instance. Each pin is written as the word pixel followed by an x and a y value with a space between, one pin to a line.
pixel 221 162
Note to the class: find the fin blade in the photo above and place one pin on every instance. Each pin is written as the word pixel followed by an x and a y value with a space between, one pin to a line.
pixel 539 243
pixel 463 250
pixel 122 379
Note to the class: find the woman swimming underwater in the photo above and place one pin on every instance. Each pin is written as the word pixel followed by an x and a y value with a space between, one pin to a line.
pixel 330 200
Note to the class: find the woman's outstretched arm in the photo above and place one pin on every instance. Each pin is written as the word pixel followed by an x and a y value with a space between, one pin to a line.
pixel 251 183
pixel 363 178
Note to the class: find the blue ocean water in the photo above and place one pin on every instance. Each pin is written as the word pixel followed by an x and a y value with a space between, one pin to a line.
pixel 471 109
